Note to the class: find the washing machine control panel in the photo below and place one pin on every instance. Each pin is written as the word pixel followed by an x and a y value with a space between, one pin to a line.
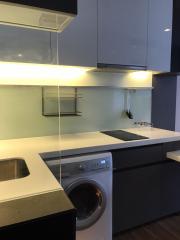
pixel 69 169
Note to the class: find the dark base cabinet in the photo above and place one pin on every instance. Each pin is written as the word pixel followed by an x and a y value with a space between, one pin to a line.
pixel 58 226
pixel 144 192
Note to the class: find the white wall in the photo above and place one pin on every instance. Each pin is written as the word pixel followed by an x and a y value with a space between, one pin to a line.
pixel 21 113
pixel 102 108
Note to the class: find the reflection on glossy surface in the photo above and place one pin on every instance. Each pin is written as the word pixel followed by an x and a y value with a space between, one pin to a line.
pixel 167 30
pixel 27 45
pixel 140 75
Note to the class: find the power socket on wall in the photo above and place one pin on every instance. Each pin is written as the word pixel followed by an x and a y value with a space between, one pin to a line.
pixel 143 124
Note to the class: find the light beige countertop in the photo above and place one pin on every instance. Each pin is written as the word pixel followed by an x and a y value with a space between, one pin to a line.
pixel 175 155
pixel 41 179
pixel 71 144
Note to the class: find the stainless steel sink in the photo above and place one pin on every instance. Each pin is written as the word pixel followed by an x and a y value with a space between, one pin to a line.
pixel 13 169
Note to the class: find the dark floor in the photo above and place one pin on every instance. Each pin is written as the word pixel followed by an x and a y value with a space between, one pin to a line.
pixel 166 229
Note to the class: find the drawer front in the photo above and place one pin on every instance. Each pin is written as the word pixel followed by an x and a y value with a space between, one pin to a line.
pixel 171 146
pixel 132 157
pixel 145 194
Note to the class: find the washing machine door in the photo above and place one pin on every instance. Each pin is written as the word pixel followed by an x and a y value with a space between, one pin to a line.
pixel 89 199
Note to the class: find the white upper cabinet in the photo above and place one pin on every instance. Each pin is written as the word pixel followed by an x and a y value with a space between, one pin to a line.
pixel 78 42
pixel 122 32
pixel 159 35
pixel 135 33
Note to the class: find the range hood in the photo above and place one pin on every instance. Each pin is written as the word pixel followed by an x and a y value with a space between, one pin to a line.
pixel 49 15
pixel 102 67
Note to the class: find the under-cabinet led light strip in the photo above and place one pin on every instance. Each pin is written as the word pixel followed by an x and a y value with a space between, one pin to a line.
pixel 37 74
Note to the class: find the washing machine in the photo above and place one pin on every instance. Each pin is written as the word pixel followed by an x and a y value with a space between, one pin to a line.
pixel 87 180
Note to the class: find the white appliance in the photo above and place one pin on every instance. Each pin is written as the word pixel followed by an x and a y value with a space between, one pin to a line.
pixel 87 180
pixel 51 15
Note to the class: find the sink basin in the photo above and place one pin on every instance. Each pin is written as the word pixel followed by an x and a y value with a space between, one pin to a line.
pixel 13 169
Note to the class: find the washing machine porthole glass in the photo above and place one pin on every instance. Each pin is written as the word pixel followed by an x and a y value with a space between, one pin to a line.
pixel 89 199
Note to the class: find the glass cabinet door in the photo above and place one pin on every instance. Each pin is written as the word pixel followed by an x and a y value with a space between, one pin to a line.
pixel 27 45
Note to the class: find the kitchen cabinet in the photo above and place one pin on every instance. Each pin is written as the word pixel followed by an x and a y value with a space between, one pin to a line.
pixel 175 54
pixel 47 215
pixel 122 32
pixel 147 189
pixel 26 45
pixel 159 35
pixel 135 34
pixel 136 200
pixel 142 155
pixel 166 102
pixel 62 225
pixel 78 42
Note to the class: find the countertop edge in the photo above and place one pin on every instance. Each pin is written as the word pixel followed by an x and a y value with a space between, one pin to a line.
pixel 34 207
pixel 102 148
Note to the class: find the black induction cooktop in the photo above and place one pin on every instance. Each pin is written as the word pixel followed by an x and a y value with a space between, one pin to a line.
pixel 123 135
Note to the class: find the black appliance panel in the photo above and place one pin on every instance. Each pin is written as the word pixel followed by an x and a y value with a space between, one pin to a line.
pixel 68 6
pixel 123 135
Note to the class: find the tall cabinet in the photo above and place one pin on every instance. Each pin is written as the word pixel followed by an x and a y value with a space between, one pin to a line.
pixel 166 102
